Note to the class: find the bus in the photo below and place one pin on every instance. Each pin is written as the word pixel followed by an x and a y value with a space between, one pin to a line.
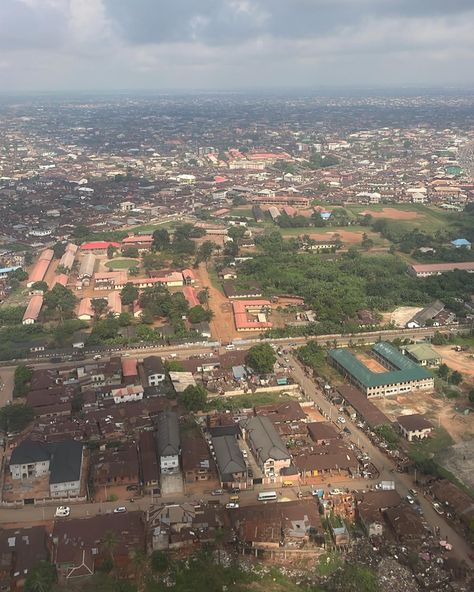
pixel 267 496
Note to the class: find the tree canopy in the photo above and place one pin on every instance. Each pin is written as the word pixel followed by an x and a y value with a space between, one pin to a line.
pixel 14 418
pixel 129 293
pixel 194 398
pixel 261 358
pixel 23 375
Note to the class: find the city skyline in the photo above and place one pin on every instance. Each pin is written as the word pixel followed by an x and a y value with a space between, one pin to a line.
pixel 106 45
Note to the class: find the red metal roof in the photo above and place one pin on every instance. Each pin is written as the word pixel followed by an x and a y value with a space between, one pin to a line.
pixel 129 367
pixel 98 245
pixel 191 296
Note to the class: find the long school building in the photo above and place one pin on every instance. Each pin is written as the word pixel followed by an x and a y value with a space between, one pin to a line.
pixel 402 374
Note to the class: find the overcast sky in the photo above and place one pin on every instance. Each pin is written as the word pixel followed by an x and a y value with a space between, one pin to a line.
pixel 234 44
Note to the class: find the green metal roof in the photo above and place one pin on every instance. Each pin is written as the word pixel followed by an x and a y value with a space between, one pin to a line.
pixel 422 351
pixel 405 371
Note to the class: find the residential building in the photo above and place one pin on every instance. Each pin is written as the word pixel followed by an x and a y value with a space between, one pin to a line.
pixel 414 426
pixel 169 445
pixel 154 370
pixel 62 461
pixel 267 447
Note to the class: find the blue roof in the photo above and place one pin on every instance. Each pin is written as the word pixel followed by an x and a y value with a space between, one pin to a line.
pixel 238 372
pixel 461 242
pixel 8 269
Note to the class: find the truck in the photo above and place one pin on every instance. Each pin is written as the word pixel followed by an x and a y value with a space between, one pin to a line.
pixel 385 485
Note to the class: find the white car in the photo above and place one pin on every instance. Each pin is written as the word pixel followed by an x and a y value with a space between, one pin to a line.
pixel 341 419
pixel 336 491
pixel 62 511
pixel 120 510
pixel 217 492
pixel 231 506
pixel 438 509
pixel 409 499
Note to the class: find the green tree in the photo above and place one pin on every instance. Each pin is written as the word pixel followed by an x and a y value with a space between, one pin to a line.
pixel 18 274
pixel 197 314
pixel 456 378
pixel 353 578
pixel 59 249
pixel 41 578
pixel 261 358
pixel 131 252
pixel 159 561
pixel 153 262
pixel 443 371
pixel 111 250
pixel 129 294
pixel 161 240
pixel 471 396
pixel 61 299
pixel 236 232
pixel 194 398
pixel 110 542
pixel 205 251
pixel 99 306
pixel 39 287
pixel 203 296
pixel 14 418
pixel 23 375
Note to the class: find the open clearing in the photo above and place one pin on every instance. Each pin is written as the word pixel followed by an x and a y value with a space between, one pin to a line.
pixel 371 363
pixel 401 315
pixel 222 325
pixel 459 460
pixel 460 427
pixel 461 361
pixel 395 214
pixel 122 263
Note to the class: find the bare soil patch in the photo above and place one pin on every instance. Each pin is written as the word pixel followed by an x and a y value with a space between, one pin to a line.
pixel 461 361
pixel 395 214
pixel 222 325
pixel 401 315
pixel 371 363
pixel 346 236
pixel 440 412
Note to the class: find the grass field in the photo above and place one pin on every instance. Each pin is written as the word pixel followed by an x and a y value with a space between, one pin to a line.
pixel 242 212
pixel 122 263
pixel 150 228
pixel 428 219
pixel 249 400
pixel 439 440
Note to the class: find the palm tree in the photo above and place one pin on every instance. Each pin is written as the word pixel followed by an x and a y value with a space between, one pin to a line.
pixel 140 563
pixel 110 542
pixel 40 578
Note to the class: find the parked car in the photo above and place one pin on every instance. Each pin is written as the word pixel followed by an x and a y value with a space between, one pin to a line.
pixel 132 487
pixel 335 491
pixel 234 490
pixel 438 509
pixel 341 419
pixel 231 506
pixel 217 492
pixel 409 499
pixel 413 492
pixel 120 510
pixel 62 511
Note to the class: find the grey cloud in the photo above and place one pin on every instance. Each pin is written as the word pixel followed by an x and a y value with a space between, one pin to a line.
pixel 221 23
pixel 29 27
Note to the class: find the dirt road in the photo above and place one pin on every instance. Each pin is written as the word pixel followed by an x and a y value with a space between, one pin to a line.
pixel 222 325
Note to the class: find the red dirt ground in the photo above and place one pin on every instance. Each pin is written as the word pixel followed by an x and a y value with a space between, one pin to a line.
pixel 395 214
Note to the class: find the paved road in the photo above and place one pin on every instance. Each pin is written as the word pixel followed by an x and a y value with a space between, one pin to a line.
pixel 403 481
